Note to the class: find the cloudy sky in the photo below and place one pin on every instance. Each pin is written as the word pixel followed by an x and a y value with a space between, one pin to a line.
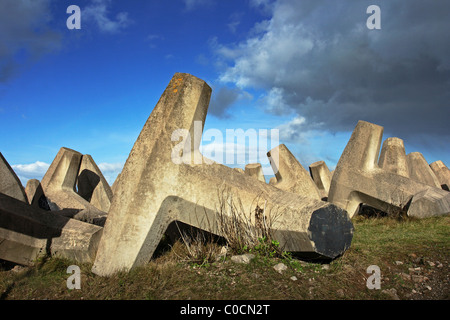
pixel 309 68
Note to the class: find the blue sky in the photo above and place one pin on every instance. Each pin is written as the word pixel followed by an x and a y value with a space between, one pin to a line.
pixel 311 69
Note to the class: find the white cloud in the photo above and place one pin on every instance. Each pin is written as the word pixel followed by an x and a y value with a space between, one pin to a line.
pixel 34 170
pixel 110 170
pixel 235 21
pixel 110 167
pixel 274 101
pixel 292 130
pixel 98 12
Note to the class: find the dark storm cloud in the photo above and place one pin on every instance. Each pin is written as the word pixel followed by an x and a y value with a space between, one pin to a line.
pixel 318 60
pixel 24 34
pixel 222 100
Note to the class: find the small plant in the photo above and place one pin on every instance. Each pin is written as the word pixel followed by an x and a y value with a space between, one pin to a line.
pixel 201 247
pixel 246 231
pixel 267 248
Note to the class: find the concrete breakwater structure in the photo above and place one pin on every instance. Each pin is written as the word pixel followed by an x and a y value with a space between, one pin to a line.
pixel 74 213
pixel 153 191
pixel 359 179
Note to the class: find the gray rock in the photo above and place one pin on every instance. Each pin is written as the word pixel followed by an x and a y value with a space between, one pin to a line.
pixel 280 267
pixel 392 293
pixel 243 258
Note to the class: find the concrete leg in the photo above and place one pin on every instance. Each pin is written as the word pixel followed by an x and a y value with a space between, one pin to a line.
pixel 9 182
pixel 255 170
pixel 393 157
pixel 321 176
pixel 92 186
pixel 442 173
pixel 35 195
pixel 291 175
pixel 420 171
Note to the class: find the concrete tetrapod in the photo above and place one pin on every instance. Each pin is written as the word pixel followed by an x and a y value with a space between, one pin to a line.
pixel 419 170
pixel 165 180
pixel 27 232
pixel 291 175
pixel 9 182
pixel 393 157
pixel 321 176
pixel 358 179
pixel 35 194
pixel 92 186
pixel 255 170
pixel 442 173
pixel 59 183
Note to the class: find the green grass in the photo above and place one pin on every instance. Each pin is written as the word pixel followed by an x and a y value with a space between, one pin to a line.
pixel 377 241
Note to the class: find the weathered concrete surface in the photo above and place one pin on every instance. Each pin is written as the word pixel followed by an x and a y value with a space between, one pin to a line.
pixel 240 170
pixel 442 173
pixel 428 202
pixel 420 171
pixel 113 187
pixel 153 191
pixel 358 179
pixel 35 195
pixel 92 185
pixel 27 233
pixel 393 157
pixel 291 175
pixel 31 188
pixel 255 170
pixel 59 188
pixel 321 176
pixel 9 182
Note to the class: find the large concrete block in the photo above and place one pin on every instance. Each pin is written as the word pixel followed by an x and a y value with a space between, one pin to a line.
pixel 27 233
pixel 429 201
pixel 358 179
pixel 419 170
pixel 321 176
pixel 291 175
pixel 393 157
pixel 442 173
pixel 255 170
pixel 9 182
pixel 92 185
pixel 156 188
pixel 59 188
